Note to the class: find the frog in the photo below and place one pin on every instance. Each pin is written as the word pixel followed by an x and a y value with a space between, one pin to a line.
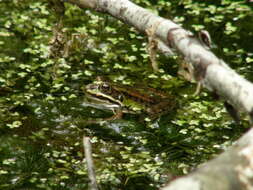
pixel 120 99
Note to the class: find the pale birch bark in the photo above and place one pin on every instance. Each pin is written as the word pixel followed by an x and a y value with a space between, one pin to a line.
pixel 89 162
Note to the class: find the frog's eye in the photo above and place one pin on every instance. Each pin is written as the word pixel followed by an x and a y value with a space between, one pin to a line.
pixel 106 87
pixel 121 98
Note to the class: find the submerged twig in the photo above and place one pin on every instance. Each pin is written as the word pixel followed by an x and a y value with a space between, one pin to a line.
pixel 89 162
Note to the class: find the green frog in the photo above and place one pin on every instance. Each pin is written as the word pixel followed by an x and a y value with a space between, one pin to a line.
pixel 104 94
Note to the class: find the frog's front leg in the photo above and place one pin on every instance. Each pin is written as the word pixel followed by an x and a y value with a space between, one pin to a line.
pixel 118 113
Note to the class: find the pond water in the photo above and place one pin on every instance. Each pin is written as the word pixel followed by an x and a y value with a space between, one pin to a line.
pixel 45 62
pixel 46 150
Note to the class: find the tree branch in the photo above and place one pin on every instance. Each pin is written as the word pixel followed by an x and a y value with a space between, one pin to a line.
pixel 89 162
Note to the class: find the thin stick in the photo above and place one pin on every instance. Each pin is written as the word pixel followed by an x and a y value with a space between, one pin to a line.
pixel 89 162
